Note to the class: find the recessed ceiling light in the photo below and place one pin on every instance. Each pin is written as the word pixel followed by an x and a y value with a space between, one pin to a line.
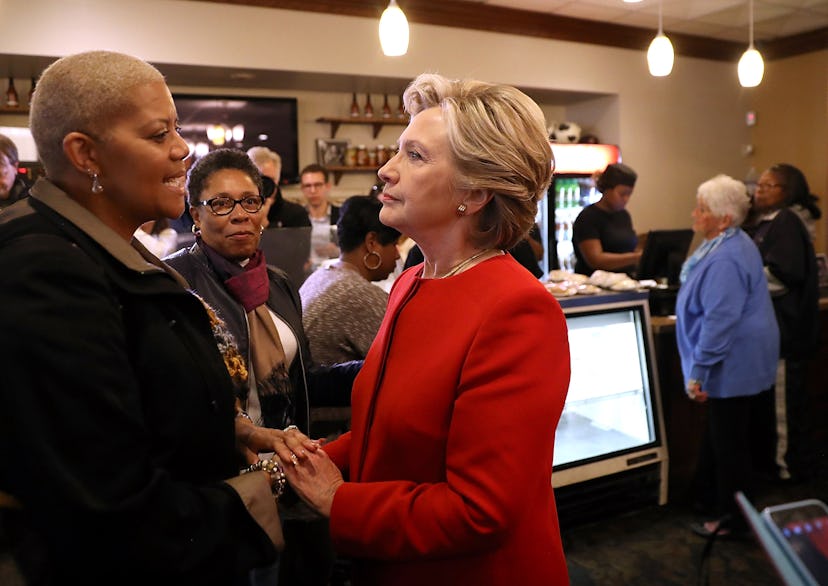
pixel 242 76
pixel 631 1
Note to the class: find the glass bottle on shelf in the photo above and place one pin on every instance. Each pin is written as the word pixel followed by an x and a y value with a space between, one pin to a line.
pixel 401 109
pixel 386 109
pixel 369 109
pixel 11 95
pixel 32 89
pixel 354 106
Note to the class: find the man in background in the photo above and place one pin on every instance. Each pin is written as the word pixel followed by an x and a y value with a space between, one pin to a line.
pixel 280 212
pixel 316 188
pixel 13 185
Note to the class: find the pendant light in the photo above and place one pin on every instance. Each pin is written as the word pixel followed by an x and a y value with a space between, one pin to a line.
pixel 660 55
pixel 751 67
pixel 393 31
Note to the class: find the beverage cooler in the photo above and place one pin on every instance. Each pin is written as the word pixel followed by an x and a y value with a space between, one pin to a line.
pixel 610 452
pixel 572 189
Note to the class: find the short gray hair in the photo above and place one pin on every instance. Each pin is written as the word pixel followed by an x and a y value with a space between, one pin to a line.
pixel 725 196
pixel 85 93
pixel 260 155
pixel 498 138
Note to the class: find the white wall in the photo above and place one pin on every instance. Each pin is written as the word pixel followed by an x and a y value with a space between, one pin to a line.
pixel 676 132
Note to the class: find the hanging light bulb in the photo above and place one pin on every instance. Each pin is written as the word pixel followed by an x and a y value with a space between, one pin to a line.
pixel 393 31
pixel 660 55
pixel 751 67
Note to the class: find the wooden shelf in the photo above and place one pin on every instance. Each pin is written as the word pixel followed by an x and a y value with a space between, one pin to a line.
pixel 17 110
pixel 376 123
pixel 338 171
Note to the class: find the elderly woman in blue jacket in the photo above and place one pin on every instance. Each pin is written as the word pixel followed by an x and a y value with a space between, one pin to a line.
pixel 728 342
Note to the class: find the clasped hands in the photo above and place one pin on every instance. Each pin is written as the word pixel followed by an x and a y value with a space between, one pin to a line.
pixel 309 470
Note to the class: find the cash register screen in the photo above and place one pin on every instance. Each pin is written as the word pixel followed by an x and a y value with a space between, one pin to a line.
pixel 608 408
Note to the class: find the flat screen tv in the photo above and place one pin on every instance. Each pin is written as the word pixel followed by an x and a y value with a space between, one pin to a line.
pixel 211 122
pixel 664 253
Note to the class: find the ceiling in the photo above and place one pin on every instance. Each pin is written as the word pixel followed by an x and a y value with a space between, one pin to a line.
pixel 718 19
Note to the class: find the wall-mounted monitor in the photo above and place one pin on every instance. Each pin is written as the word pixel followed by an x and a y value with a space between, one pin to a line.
pixel 211 122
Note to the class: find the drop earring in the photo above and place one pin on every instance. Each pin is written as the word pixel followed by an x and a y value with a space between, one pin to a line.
pixel 96 184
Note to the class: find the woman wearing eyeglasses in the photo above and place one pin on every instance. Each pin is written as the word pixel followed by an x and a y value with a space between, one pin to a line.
pixel 781 204
pixel 261 308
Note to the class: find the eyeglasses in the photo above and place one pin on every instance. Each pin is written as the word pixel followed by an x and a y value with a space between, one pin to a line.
pixel 312 186
pixel 767 185
pixel 223 205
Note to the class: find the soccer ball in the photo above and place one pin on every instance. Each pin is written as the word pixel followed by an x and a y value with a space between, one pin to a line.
pixel 564 132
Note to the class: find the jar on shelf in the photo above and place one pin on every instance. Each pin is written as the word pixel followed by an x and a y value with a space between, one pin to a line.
pixel 351 156
pixel 382 155
pixel 361 156
pixel 372 157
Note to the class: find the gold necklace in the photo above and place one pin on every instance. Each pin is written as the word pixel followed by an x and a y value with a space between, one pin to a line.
pixel 464 263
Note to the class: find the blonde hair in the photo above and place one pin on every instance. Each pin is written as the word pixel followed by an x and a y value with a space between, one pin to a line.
pixel 497 136
pixel 725 196
pixel 85 92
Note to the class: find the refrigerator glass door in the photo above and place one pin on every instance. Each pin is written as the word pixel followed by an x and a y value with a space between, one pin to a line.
pixel 609 408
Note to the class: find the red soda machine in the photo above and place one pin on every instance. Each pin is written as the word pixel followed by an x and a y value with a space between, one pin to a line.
pixel 571 190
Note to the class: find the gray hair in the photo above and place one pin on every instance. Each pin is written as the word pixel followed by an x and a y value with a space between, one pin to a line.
pixel 725 196
pixel 85 93
pixel 497 136
pixel 260 155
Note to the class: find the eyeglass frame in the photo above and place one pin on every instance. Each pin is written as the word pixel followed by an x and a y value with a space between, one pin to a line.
pixel 209 203
pixel 768 185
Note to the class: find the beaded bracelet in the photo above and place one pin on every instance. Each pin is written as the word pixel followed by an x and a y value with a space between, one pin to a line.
pixel 244 415
pixel 278 480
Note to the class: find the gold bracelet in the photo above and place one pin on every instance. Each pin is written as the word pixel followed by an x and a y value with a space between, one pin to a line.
pixel 278 480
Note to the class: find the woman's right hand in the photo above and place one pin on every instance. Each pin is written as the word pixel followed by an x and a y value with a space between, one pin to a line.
pixel 289 444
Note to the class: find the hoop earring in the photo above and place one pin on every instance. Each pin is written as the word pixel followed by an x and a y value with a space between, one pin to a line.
pixel 365 260
pixel 96 184
pixel 194 229
pixel 461 209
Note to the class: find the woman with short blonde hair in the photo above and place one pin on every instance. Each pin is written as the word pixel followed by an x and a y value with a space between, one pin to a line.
pixel 449 457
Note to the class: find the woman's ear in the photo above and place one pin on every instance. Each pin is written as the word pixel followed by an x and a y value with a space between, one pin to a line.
pixel 476 200
pixel 371 240
pixel 725 222
pixel 195 214
pixel 81 152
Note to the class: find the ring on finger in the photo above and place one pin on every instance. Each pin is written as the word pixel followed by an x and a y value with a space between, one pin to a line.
pixel 289 427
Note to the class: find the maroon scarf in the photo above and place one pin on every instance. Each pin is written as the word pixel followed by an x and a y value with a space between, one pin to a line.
pixel 250 286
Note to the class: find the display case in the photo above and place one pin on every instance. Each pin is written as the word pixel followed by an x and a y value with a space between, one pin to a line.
pixel 612 422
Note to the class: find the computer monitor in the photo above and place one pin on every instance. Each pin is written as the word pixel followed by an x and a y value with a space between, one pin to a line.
pixel 664 253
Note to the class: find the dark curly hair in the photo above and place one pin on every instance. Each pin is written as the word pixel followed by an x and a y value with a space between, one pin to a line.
pixel 358 216
pixel 218 160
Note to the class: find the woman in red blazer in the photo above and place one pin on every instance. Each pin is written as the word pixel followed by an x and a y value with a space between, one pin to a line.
pixel 445 477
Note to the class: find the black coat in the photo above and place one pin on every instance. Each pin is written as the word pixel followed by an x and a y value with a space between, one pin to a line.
pixel 312 387
pixel 788 253
pixel 116 411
